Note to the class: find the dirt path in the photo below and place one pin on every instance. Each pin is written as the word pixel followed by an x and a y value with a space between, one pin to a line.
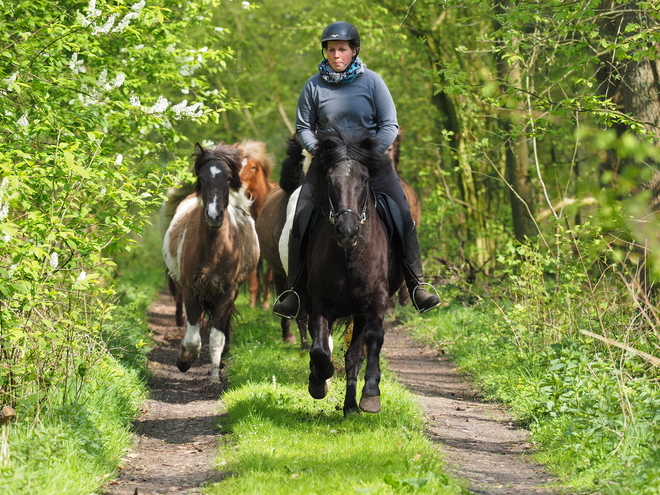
pixel 177 432
pixel 478 439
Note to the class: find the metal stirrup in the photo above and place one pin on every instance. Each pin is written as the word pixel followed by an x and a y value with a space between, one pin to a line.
pixel 422 311
pixel 283 295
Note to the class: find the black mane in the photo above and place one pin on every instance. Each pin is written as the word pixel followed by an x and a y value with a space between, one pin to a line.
pixel 292 175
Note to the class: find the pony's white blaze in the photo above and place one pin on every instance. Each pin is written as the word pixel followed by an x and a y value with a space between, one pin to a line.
pixel 214 171
pixel 212 210
pixel 216 346
pixel 283 245
pixel 244 162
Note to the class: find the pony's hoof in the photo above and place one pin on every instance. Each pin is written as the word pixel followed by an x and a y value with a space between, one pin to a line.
pixel 183 366
pixel 370 404
pixel 289 338
pixel 353 411
pixel 215 379
pixel 318 390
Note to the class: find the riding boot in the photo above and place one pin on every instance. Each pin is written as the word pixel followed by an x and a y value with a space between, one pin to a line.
pixel 290 305
pixel 413 273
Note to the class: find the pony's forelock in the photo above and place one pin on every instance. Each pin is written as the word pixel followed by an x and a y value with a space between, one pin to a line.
pixel 256 151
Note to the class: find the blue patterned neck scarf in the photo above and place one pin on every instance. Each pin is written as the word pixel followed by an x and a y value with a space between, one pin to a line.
pixel 354 70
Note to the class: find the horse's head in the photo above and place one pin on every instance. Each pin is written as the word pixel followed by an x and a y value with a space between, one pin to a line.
pixel 218 173
pixel 257 164
pixel 344 164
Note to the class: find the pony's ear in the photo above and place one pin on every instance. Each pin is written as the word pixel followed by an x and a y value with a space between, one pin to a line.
pixel 235 166
pixel 369 143
pixel 199 151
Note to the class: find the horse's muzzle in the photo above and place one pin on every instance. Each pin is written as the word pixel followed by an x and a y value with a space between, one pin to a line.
pixel 215 221
pixel 347 238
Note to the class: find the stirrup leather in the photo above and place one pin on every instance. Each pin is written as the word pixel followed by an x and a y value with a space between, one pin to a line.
pixel 421 311
pixel 283 296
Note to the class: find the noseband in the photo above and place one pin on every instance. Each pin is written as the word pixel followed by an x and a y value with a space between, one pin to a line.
pixel 362 217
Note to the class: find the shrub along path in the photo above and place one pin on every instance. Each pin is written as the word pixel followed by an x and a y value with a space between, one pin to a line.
pixel 177 432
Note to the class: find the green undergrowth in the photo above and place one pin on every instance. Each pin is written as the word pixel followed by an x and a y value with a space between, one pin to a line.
pixel 593 411
pixel 83 429
pixel 279 440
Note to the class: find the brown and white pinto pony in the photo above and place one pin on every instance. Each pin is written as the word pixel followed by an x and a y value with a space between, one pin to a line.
pixel 255 174
pixel 210 248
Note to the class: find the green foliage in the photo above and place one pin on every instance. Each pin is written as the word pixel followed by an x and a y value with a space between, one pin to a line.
pixel 88 145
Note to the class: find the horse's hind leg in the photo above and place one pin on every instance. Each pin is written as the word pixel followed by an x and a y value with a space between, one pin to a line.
pixel 178 300
pixel 354 359
pixel 191 344
pixel 220 331
pixel 253 287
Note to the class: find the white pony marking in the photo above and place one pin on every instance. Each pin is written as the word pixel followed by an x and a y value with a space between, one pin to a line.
pixel 212 210
pixel 217 341
pixel 214 171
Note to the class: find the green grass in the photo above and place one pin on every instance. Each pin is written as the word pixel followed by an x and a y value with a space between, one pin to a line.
pixel 281 441
pixel 594 414
pixel 83 432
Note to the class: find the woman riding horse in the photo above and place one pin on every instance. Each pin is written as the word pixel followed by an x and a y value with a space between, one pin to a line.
pixel 345 91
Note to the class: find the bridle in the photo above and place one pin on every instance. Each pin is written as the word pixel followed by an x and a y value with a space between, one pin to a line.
pixel 362 216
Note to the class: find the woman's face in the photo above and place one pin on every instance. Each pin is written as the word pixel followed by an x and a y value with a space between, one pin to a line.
pixel 340 55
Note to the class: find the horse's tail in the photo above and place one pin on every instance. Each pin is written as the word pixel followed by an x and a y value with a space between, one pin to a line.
pixel 292 173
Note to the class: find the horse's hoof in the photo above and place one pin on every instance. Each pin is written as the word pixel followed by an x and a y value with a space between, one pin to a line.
pixel 318 390
pixel 370 404
pixel 215 379
pixel 289 338
pixel 351 411
pixel 183 366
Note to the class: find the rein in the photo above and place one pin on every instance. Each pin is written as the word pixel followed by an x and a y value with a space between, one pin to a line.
pixel 362 217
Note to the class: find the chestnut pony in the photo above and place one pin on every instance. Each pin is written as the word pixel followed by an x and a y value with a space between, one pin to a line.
pixel 255 174
pixel 210 248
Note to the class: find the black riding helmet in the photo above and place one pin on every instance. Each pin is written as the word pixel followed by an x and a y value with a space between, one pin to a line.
pixel 342 31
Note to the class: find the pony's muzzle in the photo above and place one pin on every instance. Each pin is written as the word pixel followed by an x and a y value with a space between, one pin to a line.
pixel 215 218
pixel 347 235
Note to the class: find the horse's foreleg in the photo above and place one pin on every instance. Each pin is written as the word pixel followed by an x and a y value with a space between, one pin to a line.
pixel 354 358
pixel 191 344
pixel 373 338
pixel 320 355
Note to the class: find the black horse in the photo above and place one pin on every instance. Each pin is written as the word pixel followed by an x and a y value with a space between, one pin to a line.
pixel 352 270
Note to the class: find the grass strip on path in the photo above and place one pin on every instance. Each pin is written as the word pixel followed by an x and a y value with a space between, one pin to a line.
pixel 281 441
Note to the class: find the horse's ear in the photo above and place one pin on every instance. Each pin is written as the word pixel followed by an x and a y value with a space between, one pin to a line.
pixel 199 151
pixel 369 143
pixel 235 166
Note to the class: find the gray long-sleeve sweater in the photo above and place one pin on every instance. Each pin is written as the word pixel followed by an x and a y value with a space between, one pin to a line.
pixel 364 103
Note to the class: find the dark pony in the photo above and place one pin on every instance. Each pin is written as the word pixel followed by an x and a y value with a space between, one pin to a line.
pixel 210 247
pixel 352 270
pixel 270 224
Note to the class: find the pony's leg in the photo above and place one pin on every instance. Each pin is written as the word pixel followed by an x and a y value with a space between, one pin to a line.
pixel 175 291
pixel 219 337
pixel 253 287
pixel 354 358
pixel 373 338
pixel 320 356
pixel 301 321
pixel 191 344
pixel 266 283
